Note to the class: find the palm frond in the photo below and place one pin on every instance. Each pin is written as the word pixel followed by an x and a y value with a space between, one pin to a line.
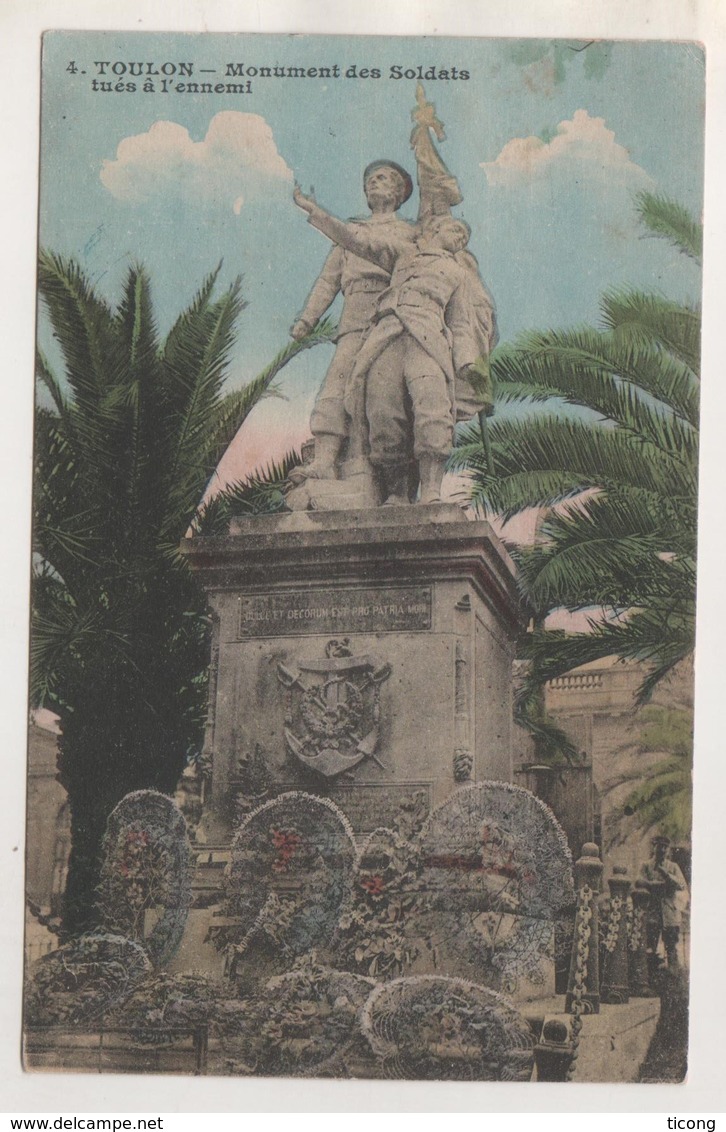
pixel 261 493
pixel 606 549
pixel 51 383
pixel 512 494
pixel 137 334
pixel 83 325
pixel 65 513
pixel 208 343
pixel 184 345
pixel 551 653
pixel 600 571
pixel 663 801
pixel 553 745
pixel 669 219
pixel 588 455
pixel 604 371
pixel 61 633
pixel 638 316
pixel 661 636
pixel 236 406
pixel 518 392
pixel 620 514
pixel 136 323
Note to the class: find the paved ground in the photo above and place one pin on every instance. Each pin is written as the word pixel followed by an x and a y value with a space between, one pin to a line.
pixel 614 1043
pixel 667 1057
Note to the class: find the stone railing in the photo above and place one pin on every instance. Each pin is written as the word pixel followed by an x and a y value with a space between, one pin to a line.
pixel 576 682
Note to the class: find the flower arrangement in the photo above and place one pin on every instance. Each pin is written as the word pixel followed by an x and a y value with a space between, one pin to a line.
pixel 84 979
pixel 429 1027
pixel 145 888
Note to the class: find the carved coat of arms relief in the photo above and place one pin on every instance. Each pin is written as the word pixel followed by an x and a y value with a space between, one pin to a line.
pixel 332 709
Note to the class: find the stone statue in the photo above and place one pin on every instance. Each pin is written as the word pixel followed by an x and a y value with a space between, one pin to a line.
pixel 422 363
pixel 387 186
pixel 421 337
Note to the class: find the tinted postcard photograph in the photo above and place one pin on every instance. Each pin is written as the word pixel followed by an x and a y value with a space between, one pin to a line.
pixel 364 557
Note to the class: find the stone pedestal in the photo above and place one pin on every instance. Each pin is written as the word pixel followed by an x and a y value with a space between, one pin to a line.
pixel 553 1053
pixel 362 655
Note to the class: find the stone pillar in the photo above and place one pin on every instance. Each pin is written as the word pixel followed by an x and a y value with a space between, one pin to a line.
pixel 554 1052
pixel 638 944
pixel 615 981
pixel 586 944
pixel 463 753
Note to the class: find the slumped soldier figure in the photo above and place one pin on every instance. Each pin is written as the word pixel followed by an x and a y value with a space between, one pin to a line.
pixel 432 327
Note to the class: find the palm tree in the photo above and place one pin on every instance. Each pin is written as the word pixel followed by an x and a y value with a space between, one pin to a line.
pixel 261 493
pixel 615 478
pixel 654 790
pixel 120 630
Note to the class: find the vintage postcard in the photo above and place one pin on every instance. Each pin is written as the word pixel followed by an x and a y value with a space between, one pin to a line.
pixel 364 557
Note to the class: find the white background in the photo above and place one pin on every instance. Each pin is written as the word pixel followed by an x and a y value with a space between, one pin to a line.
pixel 21 23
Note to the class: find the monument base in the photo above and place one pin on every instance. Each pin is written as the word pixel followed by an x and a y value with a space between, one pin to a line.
pixel 363 656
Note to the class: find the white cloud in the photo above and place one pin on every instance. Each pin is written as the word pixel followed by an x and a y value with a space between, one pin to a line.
pixel 582 145
pixel 237 160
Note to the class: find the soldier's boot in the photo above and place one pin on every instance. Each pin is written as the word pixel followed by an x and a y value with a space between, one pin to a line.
pixel 395 486
pixel 324 464
pixel 431 470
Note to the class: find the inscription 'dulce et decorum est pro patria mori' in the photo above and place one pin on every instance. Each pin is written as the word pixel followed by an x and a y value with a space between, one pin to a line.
pixel 344 610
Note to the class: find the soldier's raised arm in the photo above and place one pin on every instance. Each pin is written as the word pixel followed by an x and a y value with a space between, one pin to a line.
pixel 377 247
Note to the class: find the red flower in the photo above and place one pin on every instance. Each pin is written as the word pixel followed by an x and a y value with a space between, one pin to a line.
pixel 287 843
pixel 373 885
pixel 137 837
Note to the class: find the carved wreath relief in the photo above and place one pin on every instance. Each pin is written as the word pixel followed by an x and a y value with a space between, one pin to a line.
pixel 332 711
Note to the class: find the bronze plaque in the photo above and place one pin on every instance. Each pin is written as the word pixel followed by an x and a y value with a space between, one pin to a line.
pixel 285 613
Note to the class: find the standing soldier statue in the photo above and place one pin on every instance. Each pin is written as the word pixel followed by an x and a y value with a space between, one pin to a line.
pixel 376 392
pixel 387 186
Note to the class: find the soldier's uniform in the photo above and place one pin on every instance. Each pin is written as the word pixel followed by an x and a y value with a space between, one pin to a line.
pixel 432 323
pixel 668 893
pixel 360 282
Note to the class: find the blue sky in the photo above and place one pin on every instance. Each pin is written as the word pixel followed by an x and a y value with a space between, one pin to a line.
pixel 550 142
